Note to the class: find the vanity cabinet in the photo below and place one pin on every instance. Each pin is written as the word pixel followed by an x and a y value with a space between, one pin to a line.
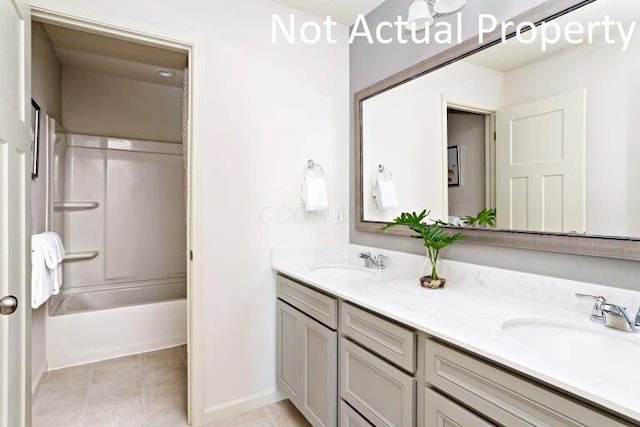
pixel 343 365
pixel 307 361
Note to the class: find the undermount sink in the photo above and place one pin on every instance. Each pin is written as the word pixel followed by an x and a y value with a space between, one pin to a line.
pixel 561 340
pixel 344 272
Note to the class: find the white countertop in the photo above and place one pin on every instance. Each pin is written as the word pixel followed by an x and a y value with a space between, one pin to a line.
pixel 468 315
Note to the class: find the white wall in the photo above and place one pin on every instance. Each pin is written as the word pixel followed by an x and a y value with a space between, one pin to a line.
pixel 45 87
pixel 613 106
pixel 99 104
pixel 265 110
pixel 467 131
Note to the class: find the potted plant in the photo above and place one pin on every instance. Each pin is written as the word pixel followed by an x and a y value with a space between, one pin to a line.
pixel 485 218
pixel 435 239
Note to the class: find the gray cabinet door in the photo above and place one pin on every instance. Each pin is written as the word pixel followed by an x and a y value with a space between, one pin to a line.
pixel 288 347
pixel 378 390
pixel 307 365
pixel 442 412
pixel 319 373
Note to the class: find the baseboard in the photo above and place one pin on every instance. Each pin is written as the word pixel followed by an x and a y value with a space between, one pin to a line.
pixel 240 406
pixel 120 352
pixel 35 382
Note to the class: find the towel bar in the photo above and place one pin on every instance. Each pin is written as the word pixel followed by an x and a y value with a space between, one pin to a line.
pixel 75 205
pixel 78 256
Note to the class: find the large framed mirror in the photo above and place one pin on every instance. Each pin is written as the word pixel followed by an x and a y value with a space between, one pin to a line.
pixel 510 144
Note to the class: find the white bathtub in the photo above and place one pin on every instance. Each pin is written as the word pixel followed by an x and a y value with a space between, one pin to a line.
pixel 86 327
pixel 79 300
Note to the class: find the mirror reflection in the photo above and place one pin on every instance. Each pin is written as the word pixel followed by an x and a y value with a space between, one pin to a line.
pixel 514 138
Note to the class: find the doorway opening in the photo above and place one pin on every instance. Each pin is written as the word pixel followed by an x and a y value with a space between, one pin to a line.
pixel 470 162
pixel 114 183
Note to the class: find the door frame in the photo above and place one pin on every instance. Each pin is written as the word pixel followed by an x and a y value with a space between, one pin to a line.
pixel 195 287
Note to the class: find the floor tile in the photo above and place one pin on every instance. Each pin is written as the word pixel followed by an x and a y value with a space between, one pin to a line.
pixel 169 357
pixel 116 370
pixel 59 398
pixel 114 392
pixel 126 413
pixel 147 390
pixel 66 379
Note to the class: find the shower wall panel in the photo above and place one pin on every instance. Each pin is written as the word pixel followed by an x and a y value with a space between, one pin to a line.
pixel 139 226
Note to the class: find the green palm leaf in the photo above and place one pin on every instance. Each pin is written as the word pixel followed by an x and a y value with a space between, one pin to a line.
pixel 435 237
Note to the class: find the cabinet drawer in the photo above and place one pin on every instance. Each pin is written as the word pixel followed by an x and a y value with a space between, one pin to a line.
pixel 502 396
pixel 350 418
pixel 317 305
pixel 391 341
pixel 440 411
pixel 381 392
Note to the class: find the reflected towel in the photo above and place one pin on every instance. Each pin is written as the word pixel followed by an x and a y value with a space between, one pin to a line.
pixel 385 193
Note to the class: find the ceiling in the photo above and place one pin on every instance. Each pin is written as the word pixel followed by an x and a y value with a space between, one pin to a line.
pixel 512 54
pixel 342 11
pixel 115 57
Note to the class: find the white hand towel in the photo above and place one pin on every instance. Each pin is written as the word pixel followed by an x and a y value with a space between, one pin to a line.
pixel 314 194
pixel 47 254
pixel 54 255
pixel 385 193
pixel 41 276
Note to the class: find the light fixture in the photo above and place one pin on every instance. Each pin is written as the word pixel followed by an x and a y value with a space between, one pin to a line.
pixel 422 13
pixel 165 73
pixel 443 7
pixel 419 16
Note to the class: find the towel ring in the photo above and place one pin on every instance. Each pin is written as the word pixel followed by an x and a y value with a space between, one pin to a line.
pixel 313 167
pixel 386 173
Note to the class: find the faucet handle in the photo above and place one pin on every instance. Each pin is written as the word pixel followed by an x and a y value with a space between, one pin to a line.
pixel 596 298
pixel 379 261
pixel 364 255
pixel 596 312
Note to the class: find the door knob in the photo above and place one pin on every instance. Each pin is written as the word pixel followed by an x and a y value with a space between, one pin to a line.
pixel 8 305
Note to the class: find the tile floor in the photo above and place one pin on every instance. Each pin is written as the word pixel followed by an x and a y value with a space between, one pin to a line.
pixel 148 389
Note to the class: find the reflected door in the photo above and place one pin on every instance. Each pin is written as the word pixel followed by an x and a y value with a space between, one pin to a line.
pixel 540 167
pixel 15 201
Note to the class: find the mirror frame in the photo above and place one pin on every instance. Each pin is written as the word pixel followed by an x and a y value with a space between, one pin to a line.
pixel 587 245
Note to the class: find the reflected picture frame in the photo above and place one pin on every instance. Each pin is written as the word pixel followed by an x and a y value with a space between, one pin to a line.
pixel 35 137
pixel 453 166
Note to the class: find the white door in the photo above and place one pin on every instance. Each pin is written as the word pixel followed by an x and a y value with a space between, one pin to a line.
pixel 15 219
pixel 540 165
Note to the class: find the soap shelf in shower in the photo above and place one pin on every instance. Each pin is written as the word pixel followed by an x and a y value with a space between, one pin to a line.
pixel 77 206
pixel 78 256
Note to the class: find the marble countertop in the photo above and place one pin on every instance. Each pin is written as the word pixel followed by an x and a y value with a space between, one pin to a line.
pixel 470 314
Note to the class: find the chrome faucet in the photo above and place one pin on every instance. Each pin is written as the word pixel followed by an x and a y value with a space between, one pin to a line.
pixel 371 261
pixel 611 315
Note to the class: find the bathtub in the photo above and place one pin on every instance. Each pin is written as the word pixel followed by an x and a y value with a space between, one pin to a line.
pixel 86 326
pixel 77 301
